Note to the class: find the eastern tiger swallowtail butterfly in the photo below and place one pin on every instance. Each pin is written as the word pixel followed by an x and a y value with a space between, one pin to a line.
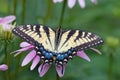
pixel 56 46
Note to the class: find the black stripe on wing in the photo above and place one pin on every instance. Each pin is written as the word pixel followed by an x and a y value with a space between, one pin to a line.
pixel 23 31
pixel 89 39
pixel 22 35
pixel 79 40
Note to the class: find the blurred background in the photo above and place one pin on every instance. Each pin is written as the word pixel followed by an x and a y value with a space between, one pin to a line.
pixel 102 19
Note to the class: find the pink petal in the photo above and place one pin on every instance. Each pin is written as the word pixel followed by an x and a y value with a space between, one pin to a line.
pixel 6 27
pixel 96 50
pixel 35 62
pixel 7 19
pixel 25 48
pixel 29 57
pixel 17 52
pixel 83 55
pixel 94 1
pixel 43 68
pixel 71 3
pixel 55 1
pixel 60 69
pixel 60 0
pixel 24 44
pixel 0 19
pixel 3 67
pixel 81 3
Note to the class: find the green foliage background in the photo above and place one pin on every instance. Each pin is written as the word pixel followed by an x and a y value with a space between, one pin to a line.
pixel 103 19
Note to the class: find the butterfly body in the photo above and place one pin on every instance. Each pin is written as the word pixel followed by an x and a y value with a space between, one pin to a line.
pixel 56 46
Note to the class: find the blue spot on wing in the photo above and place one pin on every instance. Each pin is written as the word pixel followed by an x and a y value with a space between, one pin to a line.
pixel 48 55
pixel 60 57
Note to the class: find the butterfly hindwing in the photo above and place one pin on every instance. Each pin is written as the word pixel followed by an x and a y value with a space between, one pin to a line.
pixel 37 33
pixel 78 39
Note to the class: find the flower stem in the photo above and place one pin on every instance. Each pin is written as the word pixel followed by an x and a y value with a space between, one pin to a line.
pixel 6 60
pixel 57 77
pixel 48 11
pixel 23 11
pixel 62 13
pixel 14 6
pixel 9 7
pixel 110 67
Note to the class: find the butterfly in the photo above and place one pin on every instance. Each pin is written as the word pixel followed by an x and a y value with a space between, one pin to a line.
pixel 58 46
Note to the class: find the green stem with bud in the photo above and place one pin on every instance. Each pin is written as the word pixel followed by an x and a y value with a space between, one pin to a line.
pixel 110 67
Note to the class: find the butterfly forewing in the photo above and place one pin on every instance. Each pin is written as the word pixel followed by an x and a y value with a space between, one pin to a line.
pixel 37 33
pixel 78 39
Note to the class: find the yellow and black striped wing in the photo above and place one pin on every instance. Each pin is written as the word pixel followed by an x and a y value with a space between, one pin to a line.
pixel 37 33
pixel 78 39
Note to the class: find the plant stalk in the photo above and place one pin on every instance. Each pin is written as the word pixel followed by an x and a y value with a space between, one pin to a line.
pixel 23 11
pixel 62 13
pixel 110 67
pixel 57 76
pixel 6 60
pixel 14 7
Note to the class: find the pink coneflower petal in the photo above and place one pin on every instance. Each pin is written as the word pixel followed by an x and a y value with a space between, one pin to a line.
pixel 83 55
pixel 55 1
pixel 25 49
pixel 81 3
pixel 71 3
pixel 6 27
pixel 43 68
pixel 96 50
pixel 35 62
pixel 60 69
pixel 17 52
pixel 24 44
pixel 7 19
pixel 3 67
pixel 94 1
pixel 29 57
